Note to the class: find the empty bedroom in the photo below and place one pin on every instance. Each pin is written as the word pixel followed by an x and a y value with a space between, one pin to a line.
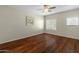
pixel 39 28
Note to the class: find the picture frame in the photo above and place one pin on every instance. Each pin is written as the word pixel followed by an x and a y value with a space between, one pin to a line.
pixel 29 20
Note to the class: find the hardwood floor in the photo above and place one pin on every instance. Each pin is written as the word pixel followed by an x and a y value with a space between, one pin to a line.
pixel 42 43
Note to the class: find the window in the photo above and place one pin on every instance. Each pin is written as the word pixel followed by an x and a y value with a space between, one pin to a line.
pixel 51 24
pixel 72 21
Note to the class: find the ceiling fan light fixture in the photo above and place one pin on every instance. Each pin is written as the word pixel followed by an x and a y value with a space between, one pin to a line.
pixel 45 10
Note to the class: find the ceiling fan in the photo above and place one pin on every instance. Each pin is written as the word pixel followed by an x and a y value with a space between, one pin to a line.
pixel 47 8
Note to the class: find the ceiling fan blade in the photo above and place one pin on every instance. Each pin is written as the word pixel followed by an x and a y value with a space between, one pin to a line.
pixel 52 7
pixel 49 10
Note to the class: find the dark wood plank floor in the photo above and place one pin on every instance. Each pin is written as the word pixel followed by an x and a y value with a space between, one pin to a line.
pixel 42 43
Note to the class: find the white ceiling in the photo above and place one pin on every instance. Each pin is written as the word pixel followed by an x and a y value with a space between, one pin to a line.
pixel 35 8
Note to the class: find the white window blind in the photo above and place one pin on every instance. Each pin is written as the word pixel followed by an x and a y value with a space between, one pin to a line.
pixel 51 24
pixel 72 21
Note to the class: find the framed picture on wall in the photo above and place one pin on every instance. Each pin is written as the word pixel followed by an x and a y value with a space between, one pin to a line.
pixel 29 20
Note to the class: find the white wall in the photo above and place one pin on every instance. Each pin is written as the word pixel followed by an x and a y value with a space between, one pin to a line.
pixel 12 24
pixel 61 28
